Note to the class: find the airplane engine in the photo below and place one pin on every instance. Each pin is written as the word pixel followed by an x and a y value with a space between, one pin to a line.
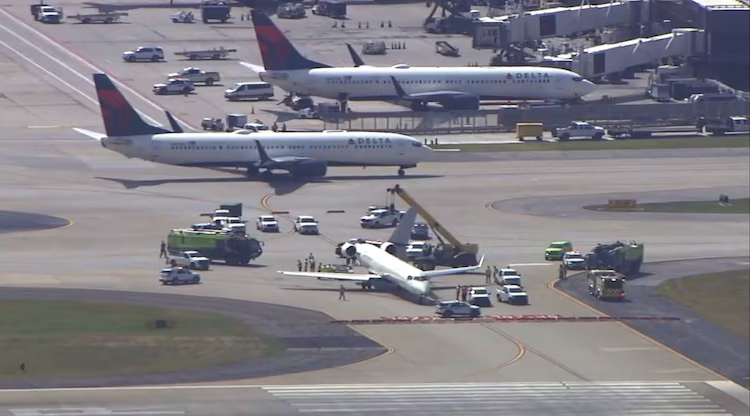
pixel 349 250
pixel 463 102
pixel 390 248
pixel 309 169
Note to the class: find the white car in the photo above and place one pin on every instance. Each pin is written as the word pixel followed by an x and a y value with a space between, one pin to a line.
pixel 174 86
pixel 191 259
pixel 451 308
pixel 479 296
pixel 267 223
pixel 177 276
pixel 196 75
pixel 144 53
pixel 508 277
pixel 415 249
pixel 513 295
pixel 305 224
pixel 574 260
pixel 579 129
pixel 381 218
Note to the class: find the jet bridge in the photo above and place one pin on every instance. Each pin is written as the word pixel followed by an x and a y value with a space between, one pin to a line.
pixel 500 32
pixel 615 58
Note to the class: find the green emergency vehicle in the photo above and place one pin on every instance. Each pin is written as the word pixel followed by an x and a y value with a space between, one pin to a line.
pixel 606 284
pixel 624 258
pixel 233 248
pixel 557 249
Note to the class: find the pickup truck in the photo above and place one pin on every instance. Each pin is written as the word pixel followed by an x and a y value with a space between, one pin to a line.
pixel 196 76
pixel 46 13
pixel 381 218
pixel 728 125
pixel 579 129
pixel 513 295
pixel 191 259
pixel 174 86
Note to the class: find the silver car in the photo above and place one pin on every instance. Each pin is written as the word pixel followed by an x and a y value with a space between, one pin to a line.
pixel 451 308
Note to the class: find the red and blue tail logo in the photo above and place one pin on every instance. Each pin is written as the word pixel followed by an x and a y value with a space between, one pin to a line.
pixel 277 52
pixel 120 118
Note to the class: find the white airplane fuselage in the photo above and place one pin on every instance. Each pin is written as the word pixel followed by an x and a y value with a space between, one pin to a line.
pixel 336 148
pixel 393 269
pixel 488 83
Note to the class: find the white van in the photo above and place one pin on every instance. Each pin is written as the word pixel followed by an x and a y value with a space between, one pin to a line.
pixel 249 91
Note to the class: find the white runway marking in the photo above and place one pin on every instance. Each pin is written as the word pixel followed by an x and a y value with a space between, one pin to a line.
pixel 93 411
pixel 528 264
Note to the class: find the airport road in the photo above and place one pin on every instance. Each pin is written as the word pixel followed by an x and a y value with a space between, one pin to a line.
pixel 120 220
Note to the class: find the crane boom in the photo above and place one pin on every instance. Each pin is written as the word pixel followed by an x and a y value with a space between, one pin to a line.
pixel 458 252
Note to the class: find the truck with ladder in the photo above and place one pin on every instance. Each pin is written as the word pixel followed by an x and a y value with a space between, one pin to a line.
pixel 624 258
pixel 235 249
pixel 606 284
pixel 449 251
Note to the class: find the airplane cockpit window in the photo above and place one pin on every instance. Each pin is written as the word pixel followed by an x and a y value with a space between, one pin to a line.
pixel 417 144
pixel 577 79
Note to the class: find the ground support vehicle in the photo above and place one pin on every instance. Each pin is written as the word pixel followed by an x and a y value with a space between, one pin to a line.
pixel 449 251
pixel 182 17
pixel 728 125
pixel 512 295
pixel 624 258
pixel 233 248
pixel 144 53
pixel 374 47
pixel 215 53
pixel 305 224
pixel 249 91
pixel 606 285
pixel 508 277
pixel 381 218
pixel 479 296
pixel 46 14
pixel 291 11
pixel 267 223
pixel 174 86
pixel 189 259
pixel 557 249
pixel 336 10
pixel 196 76
pixel 454 308
pixel 213 124
pixel 215 10
pixel 178 276
pixel 574 260
pixel 98 17
pixel 578 129
pixel 446 49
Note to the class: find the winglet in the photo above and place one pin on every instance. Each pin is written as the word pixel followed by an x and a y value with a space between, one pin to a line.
pixel 399 90
pixel 262 153
pixel 358 61
pixel 172 122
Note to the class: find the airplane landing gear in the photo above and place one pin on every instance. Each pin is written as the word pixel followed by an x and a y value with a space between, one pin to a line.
pixel 401 173
pixel 419 106
pixel 252 172
pixel 343 103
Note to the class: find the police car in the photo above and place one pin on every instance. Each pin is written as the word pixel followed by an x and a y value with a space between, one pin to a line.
pixel 451 308
pixel 178 276
pixel 574 260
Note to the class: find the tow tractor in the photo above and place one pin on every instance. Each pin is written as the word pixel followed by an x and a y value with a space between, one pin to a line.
pixel 449 251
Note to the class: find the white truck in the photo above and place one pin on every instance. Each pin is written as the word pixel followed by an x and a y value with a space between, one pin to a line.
pixel 144 53
pixel 178 276
pixel 196 76
pixel 267 223
pixel 574 260
pixel 479 296
pixel 508 276
pixel 191 259
pixel 578 129
pixel 728 125
pixel 513 295
pixel 46 14
pixel 174 86
pixel 381 218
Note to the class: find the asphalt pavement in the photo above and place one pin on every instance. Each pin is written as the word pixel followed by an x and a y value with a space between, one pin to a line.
pixel 695 337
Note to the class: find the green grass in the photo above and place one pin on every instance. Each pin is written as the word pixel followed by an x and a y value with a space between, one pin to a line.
pixel 64 339
pixel 621 144
pixel 737 206
pixel 723 298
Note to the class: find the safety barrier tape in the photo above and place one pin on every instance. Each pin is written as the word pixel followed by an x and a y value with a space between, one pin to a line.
pixel 279 212
pixel 499 318
pixel 335 211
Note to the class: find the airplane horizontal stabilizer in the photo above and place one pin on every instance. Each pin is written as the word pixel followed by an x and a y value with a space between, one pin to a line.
pixel 252 67
pixel 94 135
pixel 333 276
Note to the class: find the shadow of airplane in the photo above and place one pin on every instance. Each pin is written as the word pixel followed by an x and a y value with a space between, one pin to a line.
pixel 396 291
pixel 280 183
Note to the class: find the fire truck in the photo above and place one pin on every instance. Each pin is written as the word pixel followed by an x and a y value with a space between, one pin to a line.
pixel 606 285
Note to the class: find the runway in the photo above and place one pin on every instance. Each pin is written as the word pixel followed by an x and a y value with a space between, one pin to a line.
pixel 122 209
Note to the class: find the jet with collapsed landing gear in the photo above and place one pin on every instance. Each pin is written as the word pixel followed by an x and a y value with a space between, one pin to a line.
pixel 386 270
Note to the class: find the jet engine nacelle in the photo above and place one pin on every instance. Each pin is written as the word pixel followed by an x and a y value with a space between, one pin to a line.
pixel 389 248
pixel 349 250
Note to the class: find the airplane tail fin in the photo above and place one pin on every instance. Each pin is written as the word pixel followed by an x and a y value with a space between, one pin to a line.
pixel 400 236
pixel 399 90
pixel 176 128
pixel 447 272
pixel 358 61
pixel 120 118
pixel 277 51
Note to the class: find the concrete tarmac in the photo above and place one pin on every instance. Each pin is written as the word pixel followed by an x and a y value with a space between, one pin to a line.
pixel 123 208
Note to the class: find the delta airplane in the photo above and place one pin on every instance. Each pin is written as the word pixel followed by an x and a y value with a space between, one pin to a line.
pixel 304 155
pixel 455 88
pixel 387 271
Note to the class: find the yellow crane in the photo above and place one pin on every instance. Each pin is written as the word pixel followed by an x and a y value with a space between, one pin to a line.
pixel 450 251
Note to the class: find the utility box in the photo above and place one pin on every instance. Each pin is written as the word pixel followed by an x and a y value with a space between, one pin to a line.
pixel 236 121
pixel 524 130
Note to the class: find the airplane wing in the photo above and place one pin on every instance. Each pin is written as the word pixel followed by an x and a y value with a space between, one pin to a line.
pixel 254 68
pixel 280 162
pixel 94 135
pixel 433 96
pixel 351 277
pixel 447 272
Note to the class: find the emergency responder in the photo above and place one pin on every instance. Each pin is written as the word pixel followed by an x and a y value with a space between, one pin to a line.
pixel 312 265
pixel 299 265
pixel 464 293
pixel 163 251
pixel 307 263
pixel 320 267
pixel 496 272
pixel 488 275
pixel 342 293
pixel 563 272
pixel 458 292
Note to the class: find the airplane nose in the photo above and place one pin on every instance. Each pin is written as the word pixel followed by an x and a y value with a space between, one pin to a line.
pixel 587 87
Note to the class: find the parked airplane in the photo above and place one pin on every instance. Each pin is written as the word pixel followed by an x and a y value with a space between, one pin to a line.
pixel 304 155
pixel 456 88
pixel 387 271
